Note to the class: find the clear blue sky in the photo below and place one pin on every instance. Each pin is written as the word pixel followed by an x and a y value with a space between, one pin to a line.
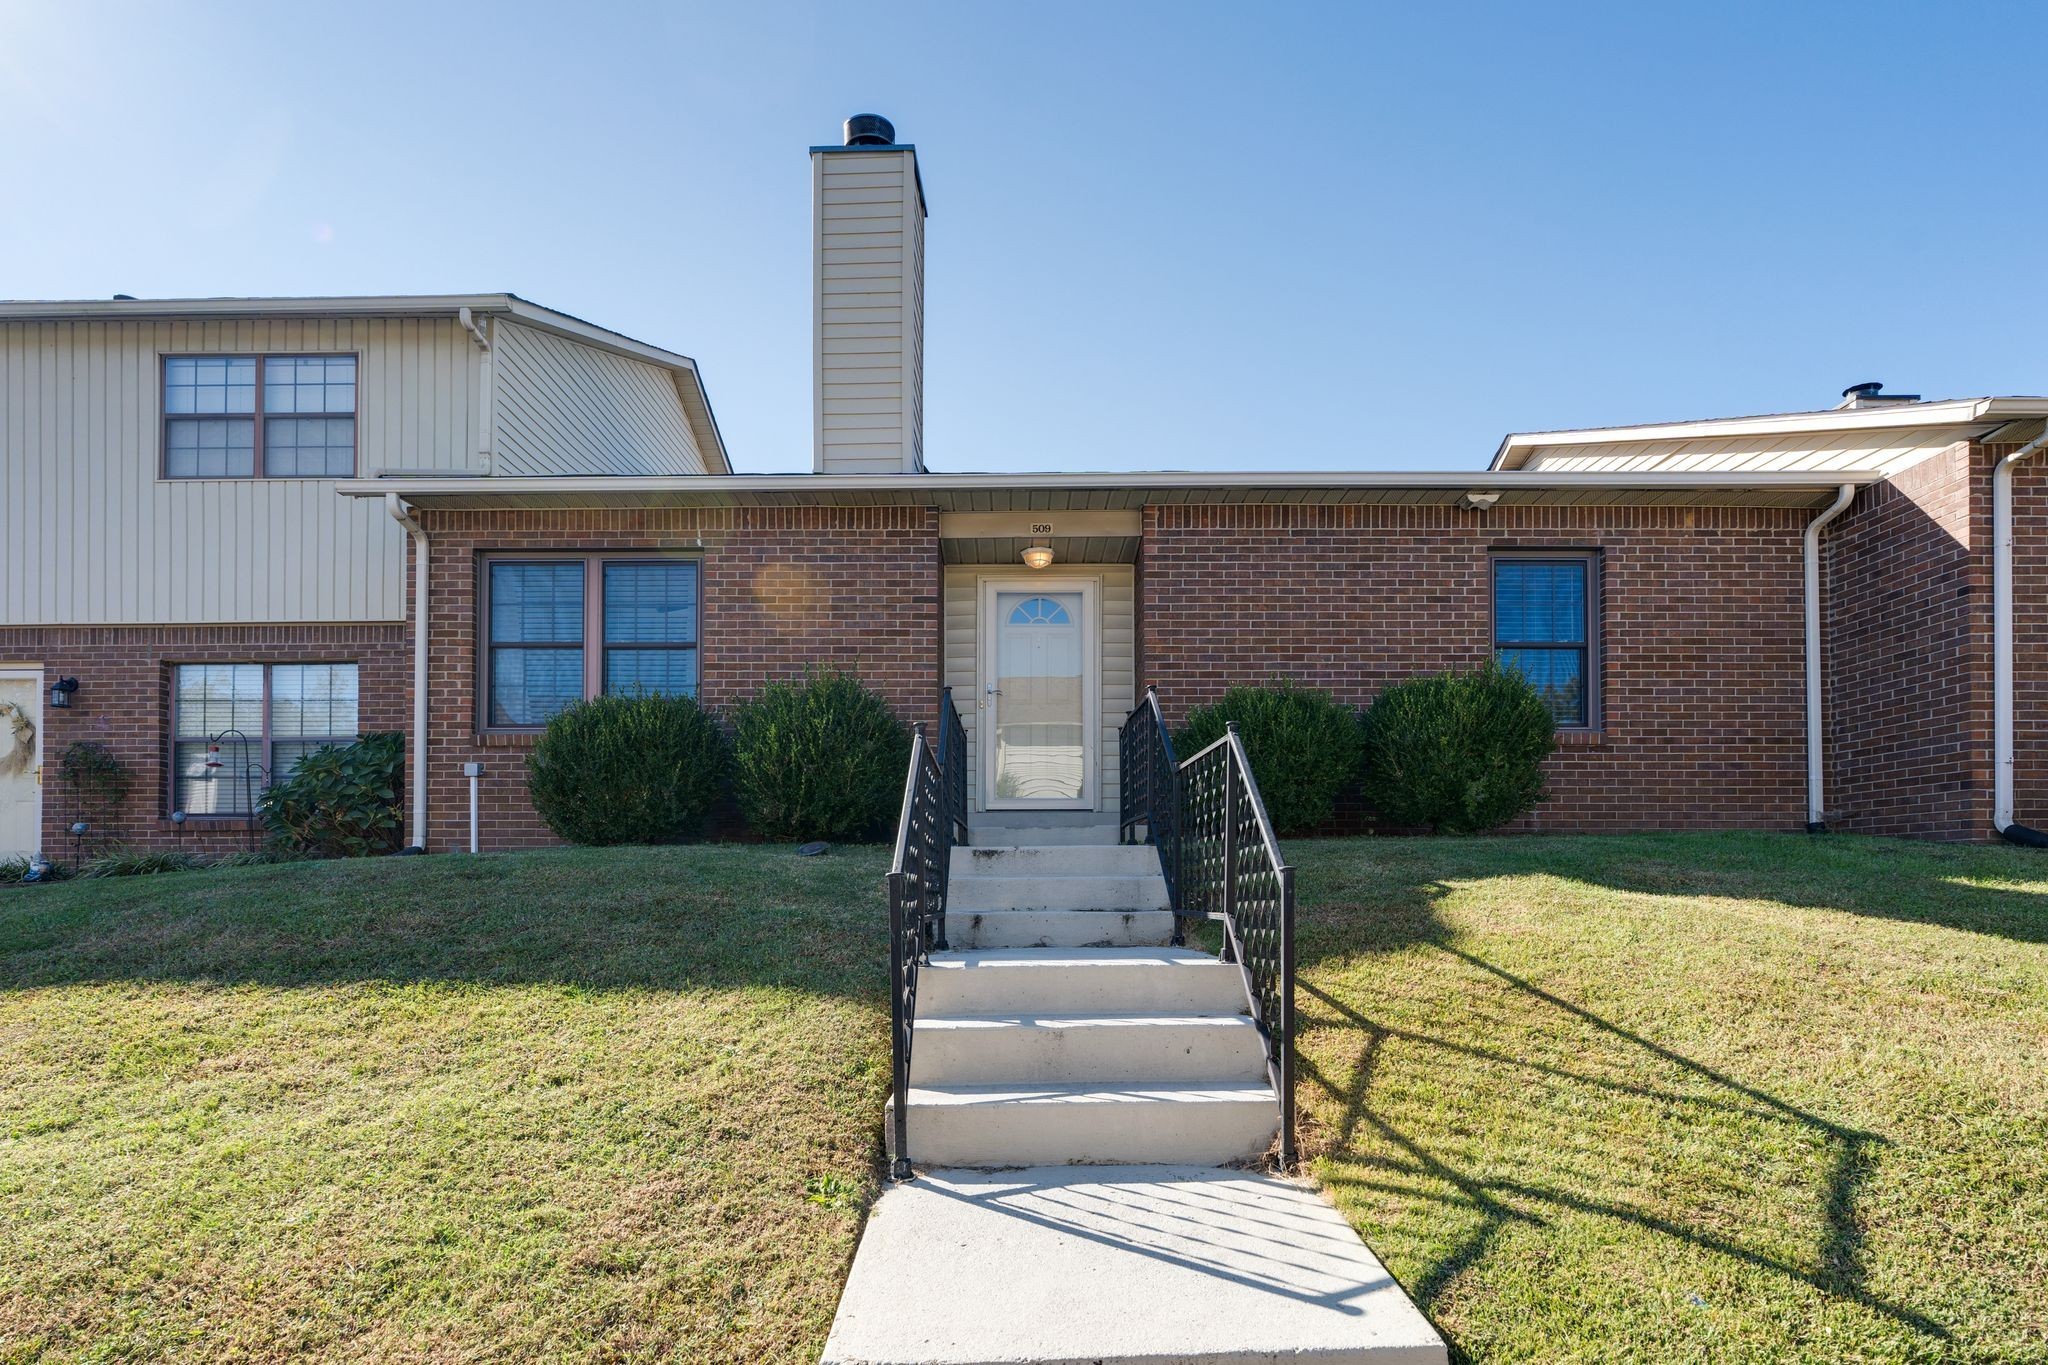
pixel 1162 236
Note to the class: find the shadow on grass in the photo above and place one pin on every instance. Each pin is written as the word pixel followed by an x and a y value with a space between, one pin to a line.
pixel 604 919
pixel 1355 902
pixel 1398 880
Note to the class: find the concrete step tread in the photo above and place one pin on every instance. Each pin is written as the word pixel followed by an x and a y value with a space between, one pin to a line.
pixel 1056 928
pixel 1050 1020
pixel 1093 1093
pixel 1120 1265
pixel 988 959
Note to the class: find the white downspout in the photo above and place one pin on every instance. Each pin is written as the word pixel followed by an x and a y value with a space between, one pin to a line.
pixel 416 816
pixel 2001 644
pixel 1816 804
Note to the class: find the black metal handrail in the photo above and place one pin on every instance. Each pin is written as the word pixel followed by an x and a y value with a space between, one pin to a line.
pixel 934 820
pixel 1150 794
pixel 1223 864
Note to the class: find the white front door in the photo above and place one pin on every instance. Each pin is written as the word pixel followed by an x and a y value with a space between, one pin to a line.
pixel 1039 694
pixel 21 757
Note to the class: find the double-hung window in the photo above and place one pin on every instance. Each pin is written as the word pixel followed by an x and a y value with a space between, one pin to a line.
pixel 562 629
pixel 1544 624
pixel 238 727
pixel 269 416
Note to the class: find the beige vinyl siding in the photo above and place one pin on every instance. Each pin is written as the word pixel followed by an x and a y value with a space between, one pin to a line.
pixel 1118 656
pixel 89 534
pixel 869 312
pixel 567 408
pixel 1821 452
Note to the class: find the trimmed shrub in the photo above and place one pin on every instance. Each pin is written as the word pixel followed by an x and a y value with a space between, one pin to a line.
pixel 818 759
pixel 1457 752
pixel 644 769
pixel 341 801
pixel 1303 747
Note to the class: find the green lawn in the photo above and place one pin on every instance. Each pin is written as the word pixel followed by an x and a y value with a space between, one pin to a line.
pixel 1661 1099
pixel 1688 1098
pixel 616 1105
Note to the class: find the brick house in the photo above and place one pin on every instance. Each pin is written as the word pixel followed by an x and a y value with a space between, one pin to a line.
pixel 244 526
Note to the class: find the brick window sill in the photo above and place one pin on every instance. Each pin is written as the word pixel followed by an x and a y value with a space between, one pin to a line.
pixel 1580 739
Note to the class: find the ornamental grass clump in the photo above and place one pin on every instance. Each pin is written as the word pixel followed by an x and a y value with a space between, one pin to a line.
pixel 822 758
pixel 1302 744
pixel 1457 753
pixel 641 769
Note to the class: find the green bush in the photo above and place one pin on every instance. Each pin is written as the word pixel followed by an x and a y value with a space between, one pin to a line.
pixel 341 801
pixel 1303 747
pixel 819 759
pixel 1457 752
pixel 643 769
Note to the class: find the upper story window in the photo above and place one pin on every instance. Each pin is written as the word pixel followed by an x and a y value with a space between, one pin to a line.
pixel 1544 624
pixel 249 416
pixel 562 629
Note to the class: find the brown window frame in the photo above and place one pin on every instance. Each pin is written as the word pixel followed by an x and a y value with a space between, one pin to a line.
pixel 592 643
pixel 1592 649
pixel 262 745
pixel 257 416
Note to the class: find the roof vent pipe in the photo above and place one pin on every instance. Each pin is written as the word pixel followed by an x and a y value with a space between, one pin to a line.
pixel 870 130
pixel 1872 395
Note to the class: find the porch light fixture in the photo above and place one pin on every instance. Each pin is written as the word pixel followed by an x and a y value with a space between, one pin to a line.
pixel 1038 556
pixel 60 693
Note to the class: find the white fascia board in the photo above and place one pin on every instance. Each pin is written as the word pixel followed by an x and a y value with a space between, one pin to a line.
pixel 1893 417
pixel 407 487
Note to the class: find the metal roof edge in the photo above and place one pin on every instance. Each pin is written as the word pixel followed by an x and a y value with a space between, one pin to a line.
pixel 1479 481
pixel 1898 417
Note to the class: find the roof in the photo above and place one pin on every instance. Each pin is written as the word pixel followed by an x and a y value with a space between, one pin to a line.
pixel 1968 416
pixel 689 383
pixel 992 492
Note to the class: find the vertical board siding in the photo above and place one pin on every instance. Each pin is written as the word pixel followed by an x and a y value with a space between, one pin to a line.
pixel 567 408
pixel 1117 658
pixel 869 312
pixel 90 535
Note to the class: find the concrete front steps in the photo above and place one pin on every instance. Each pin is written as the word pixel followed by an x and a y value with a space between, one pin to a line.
pixel 1060 1028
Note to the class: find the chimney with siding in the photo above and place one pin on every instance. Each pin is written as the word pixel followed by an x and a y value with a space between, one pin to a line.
pixel 867 313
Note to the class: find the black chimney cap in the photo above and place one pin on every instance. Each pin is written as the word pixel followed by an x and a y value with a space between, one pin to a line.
pixel 870 130
pixel 1869 390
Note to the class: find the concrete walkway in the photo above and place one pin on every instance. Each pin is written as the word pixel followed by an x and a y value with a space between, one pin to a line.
pixel 1118 1265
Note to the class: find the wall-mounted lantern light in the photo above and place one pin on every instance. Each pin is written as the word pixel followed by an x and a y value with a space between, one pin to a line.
pixel 1038 556
pixel 60 693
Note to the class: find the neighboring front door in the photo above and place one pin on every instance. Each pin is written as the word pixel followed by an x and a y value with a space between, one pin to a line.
pixel 21 756
pixel 1039 694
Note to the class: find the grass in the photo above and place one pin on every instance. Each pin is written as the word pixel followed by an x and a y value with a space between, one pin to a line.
pixel 1688 1098
pixel 610 1105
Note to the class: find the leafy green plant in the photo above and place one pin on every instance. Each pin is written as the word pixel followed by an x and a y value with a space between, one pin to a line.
pixel 834 1192
pixel 818 759
pixel 1457 752
pixel 341 801
pixel 97 780
pixel 642 769
pixel 1302 743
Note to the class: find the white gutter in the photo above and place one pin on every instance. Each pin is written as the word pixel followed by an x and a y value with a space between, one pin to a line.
pixel 416 814
pixel 1134 481
pixel 2002 646
pixel 1816 805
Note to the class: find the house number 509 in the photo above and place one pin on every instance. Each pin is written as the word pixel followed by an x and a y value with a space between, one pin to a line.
pixel 1041 528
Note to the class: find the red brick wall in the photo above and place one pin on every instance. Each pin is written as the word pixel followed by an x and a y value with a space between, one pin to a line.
pixel 851 588
pixel 1702 708
pixel 124 701
pixel 1908 591
pixel 2030 629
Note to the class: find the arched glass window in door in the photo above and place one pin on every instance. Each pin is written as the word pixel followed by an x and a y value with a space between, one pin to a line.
pixel 1039 611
